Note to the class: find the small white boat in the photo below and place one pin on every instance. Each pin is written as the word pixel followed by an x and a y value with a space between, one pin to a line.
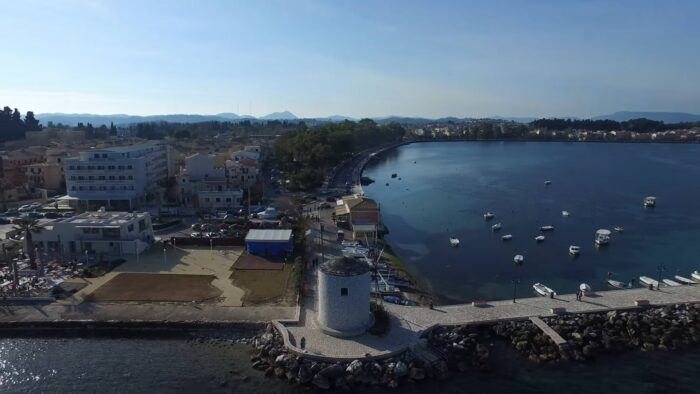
pixel 547 182
pixel 650 202
pixel 496 227
pixel 602 237
pixel 539 238
pixel 618 229
pixel 616 284
pixel 670 282
pixel 546 228
pixel 648 281
pixel 507 237
pixel 695 275
pixel 518 259
pixel 454 242
pixel 489 215
pixel 574 250
pixel 685 280
pixel 585 288
pixel 564 213
pixel 543 290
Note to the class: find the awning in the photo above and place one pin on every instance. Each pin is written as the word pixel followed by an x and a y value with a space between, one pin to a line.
pixel 364 228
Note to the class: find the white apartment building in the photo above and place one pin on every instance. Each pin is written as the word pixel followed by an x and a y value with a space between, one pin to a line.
pixel 204 185
pixel 98 233
pixel 120 177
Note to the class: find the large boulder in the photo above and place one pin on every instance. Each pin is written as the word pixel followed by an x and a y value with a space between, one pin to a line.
pixel 304 375
pixel 354 368
pixel 321 382
pixel 400 369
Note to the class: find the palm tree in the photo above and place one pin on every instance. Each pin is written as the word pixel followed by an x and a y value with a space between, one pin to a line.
pixel 28 227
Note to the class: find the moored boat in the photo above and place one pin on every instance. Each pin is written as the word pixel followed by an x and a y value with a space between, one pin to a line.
pixel 695 275
pixel 618 229
pixel 539 238
pixel 685 280
pixel 547 183
pixel 649 281
pixel 564 213
pixel 616 284
pixel 670 282
pixel 543 290
pixel 496 227
pixel 518 259
pixel 546 228
pixel 650 202
pixel 454 242
pixel 602 237
pixel 507 237
pixel 489 215
pixel 585 288
pixel 574 250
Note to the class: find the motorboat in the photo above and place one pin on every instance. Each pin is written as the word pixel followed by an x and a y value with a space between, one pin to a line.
pixel 454 242
pixel 618 229
pixel 565 213
pixel 547 183
pixel 496 227
pixel 685 280
pixel 489 215
pixel 539 238
pixel 616 284
pixel 649 202
pixel 546 228
pixel 518 259
pixel 543 290
pixel 574 250
pixel 648 281
pixel 670 282
pixel 602 237
pixel 695 275
pixel 507 237
pixel 585 288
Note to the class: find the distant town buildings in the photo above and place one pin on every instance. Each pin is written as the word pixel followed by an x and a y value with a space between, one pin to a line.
pixel 204 185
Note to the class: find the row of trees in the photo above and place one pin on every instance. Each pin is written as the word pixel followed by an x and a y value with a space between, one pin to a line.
pixel 13 127
pixel 307 153
pixel 641 125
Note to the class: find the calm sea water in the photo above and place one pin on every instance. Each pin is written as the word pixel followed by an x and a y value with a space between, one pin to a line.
pixel 51 365
pixel 445 188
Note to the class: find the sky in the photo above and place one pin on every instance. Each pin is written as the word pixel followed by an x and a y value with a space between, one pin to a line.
pixel 354 58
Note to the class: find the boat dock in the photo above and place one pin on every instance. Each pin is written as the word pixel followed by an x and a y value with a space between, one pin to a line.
pixel 553 335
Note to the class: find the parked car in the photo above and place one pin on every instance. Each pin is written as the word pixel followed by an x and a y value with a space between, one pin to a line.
pixel 25 208
pixel 67 214
pixel 4 221
pixel 11 212
pixel 52 215
pixel 196 235
pixel 197 227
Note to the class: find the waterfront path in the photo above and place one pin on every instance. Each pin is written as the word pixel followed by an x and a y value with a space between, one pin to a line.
pixel 409 323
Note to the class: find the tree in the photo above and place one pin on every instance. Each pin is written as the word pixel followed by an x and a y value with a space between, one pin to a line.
pixel 29 227
pixel 30 123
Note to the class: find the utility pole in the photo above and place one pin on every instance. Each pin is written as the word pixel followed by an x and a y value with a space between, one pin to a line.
pixel 661 268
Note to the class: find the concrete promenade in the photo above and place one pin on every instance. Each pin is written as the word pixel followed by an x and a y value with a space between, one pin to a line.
pixel 409 323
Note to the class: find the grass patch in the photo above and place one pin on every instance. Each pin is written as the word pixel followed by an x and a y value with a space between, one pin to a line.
pixel 156 288
pixel 263 287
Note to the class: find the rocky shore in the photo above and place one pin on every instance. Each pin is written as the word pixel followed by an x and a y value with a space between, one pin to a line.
pixel 465 348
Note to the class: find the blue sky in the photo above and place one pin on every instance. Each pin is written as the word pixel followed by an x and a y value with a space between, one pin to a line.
pixel 355 58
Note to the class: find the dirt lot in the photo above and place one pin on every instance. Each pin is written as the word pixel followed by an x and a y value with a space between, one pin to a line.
pixel 263 287
pixel 156 287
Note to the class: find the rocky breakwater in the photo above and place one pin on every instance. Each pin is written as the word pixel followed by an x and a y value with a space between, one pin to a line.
pixel 462 347
pixel 667 328
pixel 530 341
pixel 275 360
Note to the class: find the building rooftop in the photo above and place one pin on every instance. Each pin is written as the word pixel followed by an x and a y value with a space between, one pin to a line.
pixel 128 148
pixel 103 218
pixel 268 235
pixel 345 266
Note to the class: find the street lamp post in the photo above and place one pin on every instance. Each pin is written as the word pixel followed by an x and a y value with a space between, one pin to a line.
pixel 164 255
pixel 661 268
pixel 515 287
pixel 211 245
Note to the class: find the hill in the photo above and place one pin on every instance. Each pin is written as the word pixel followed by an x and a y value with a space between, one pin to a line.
pixel 666 117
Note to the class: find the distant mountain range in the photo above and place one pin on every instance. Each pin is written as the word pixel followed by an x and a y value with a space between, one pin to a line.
pixel 122 119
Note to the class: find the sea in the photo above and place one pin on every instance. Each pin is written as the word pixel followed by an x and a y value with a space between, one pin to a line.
pixel 443 189
pixel 181 365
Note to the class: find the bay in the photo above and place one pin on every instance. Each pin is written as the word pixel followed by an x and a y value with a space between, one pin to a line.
pixel 442 189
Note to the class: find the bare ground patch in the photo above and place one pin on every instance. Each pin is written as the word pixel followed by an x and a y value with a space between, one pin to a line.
pixel 156 287
pixel 265 286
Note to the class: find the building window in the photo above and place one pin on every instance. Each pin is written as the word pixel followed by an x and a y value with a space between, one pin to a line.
pixel 97 155
pixel 101 177
pixel 131 177
pixel 218 199
pixel 104 155
pixel 129 167
pixel 344 291
pixel 130 227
